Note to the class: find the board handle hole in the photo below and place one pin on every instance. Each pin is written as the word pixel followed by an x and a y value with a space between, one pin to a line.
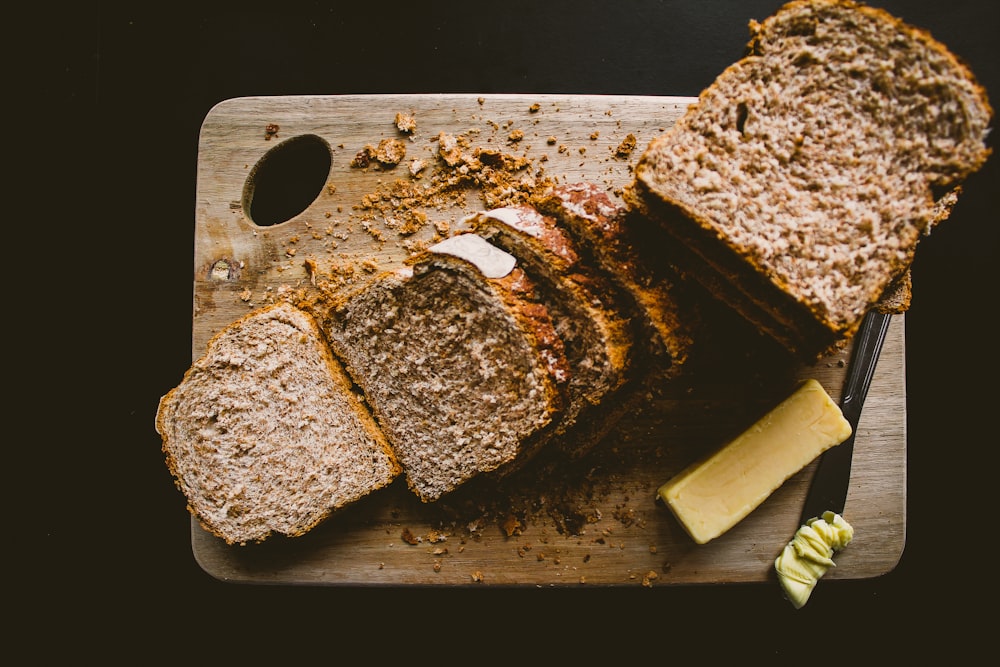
pixel 286 180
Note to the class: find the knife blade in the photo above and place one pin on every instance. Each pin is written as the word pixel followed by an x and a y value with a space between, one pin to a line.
pixel 828 490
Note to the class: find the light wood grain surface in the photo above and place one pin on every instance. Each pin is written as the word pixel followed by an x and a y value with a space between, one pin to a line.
pixel 597 522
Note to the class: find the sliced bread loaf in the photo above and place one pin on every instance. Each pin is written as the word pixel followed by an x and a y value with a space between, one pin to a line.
pixel 586 312
pixel 461 365
pixel 265 433
pixel 798 186
pixel 666 311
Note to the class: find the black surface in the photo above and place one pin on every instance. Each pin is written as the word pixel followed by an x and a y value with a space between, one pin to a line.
pixel 104 563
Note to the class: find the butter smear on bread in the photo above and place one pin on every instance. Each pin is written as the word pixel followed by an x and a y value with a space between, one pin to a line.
pixel 715 493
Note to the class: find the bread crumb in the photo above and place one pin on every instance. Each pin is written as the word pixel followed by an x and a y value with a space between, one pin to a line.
pixel 401 206
pixel 271 130
pixel 626 147
pixel 627 515
pixel 409 537
pixel 477 576
pixel 534 107
pixel 363 158
pixel 448 149
pixel 417 166
pixel 412 222
pixel 405 123
pixel 512 526
pixel 388 153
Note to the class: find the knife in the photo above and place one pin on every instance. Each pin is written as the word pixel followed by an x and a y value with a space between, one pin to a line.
pixel 828 491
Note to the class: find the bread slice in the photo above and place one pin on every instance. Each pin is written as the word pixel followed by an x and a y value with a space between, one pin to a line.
pixel 585 310
pixel 462 368
pixel 665 309
pixel 798 186
pixel 265 433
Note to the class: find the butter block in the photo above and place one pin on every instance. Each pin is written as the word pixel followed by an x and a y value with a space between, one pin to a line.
pixel 714 494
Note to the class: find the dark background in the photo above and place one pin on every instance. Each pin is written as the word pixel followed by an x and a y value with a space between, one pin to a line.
pixel 105 565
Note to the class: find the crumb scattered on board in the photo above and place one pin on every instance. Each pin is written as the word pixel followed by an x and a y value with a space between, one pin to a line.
pixel 427 181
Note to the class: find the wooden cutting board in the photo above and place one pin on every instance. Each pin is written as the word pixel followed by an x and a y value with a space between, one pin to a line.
pixel 282 199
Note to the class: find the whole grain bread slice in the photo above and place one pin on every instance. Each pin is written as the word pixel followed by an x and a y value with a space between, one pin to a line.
pixel 265 434
pixel 798 186
pixel 462 368
pixel 586 311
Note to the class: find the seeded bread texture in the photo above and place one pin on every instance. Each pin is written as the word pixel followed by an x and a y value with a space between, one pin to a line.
pixel 265 433
pixel 800 183
pixel 462 372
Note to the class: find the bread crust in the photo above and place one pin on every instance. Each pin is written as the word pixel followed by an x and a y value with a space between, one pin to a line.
pixel 479 351
pixel 652 290
pixel 263 444
pixel 596 333
pixel 800 184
